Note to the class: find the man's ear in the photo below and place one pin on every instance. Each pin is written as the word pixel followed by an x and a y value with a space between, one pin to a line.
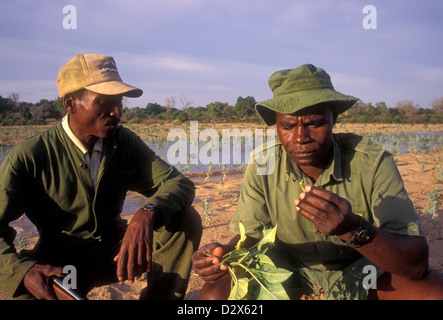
pixel 69 102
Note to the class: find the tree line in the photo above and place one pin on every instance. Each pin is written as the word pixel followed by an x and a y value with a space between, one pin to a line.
pixel 15 112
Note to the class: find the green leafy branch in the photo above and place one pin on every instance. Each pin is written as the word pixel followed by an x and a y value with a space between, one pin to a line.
pixel 254 275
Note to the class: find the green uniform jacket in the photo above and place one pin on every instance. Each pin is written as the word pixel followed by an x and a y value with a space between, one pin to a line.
pixel 46 177
pixel 360 171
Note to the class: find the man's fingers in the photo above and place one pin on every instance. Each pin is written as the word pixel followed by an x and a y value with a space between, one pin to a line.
pixel 328 211
pixel 311 213
pixel 121 266
pixel 203 261
pixel 131 266
pixel 218 252
pixel 132 263
pixel 324 194
pixel 56 271
pixel 148 259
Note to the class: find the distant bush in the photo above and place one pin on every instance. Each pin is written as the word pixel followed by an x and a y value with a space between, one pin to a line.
pixel 14 112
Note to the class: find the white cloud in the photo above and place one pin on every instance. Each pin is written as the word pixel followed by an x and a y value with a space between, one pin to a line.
pixel 202 80
pixel 168 61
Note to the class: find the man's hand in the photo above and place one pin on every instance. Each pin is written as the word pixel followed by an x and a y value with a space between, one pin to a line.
pixel 135 255
pixel 207 262
pixel 329 212
pixel 38 281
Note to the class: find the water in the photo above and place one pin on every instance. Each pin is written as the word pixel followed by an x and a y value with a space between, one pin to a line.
pixel 403 142
pixel 238 155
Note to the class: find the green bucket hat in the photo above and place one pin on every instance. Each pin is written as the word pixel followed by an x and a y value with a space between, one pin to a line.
pixel 300 88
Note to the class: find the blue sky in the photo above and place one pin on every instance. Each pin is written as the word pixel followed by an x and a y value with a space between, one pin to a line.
pixel 207 50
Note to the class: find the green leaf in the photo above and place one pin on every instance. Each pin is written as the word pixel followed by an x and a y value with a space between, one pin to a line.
pixel 267 238
pixel 275 291
pixel 235 255
pixel 239 289
pixel 261 279
pixel 271 273
pixel 242 235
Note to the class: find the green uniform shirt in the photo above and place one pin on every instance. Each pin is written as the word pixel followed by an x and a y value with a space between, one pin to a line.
pixel 46 178
pixel 360 172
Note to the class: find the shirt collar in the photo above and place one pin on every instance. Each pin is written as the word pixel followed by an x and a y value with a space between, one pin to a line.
pixel 333 170
pixel 97 147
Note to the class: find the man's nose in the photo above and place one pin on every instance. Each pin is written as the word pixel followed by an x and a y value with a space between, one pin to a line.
pixel 301 135
pixel 116 111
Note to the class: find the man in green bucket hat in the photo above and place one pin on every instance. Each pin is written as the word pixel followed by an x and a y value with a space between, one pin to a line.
pixel 346 226
pixel 301 88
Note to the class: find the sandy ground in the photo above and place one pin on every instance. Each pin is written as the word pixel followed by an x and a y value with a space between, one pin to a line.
pixel 420 173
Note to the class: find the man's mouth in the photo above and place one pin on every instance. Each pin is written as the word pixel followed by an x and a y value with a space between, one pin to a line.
pixel 112 123
pixel 304 153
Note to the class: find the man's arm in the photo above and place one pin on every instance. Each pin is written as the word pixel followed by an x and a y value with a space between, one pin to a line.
pixel 167 189
pixel 161 183
pixel 399 254
pixel 135 254
pixel 13 266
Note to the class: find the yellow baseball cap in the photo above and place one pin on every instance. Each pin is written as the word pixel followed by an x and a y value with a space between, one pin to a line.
pixel 94 72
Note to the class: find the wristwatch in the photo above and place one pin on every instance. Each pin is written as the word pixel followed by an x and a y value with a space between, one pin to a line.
pixel 150 207
pixel 363 235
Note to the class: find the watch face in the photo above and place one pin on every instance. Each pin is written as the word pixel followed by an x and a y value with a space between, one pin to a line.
pixel 363 236
pixel 149 207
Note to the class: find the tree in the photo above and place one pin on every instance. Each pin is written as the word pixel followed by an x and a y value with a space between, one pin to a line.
pixel 24 109
pixel 228 112
pixel 45 109
pixel 437 105
pixel 244 107
pixel 215 109
pixel 154 109
pixel 185 103
pixel 6 105
pixel 170 104
pixel 197 113
pixel 180 115
pixel 15 99
pixel 407 107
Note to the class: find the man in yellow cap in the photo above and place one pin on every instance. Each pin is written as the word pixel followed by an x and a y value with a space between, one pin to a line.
pixel 337 200
pixel 71 182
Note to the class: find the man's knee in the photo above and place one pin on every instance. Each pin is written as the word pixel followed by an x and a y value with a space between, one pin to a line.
pixel 192 223
pixel 185 224
pixel 394 287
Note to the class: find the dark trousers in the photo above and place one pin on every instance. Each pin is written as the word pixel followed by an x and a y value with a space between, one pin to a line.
pixel 173 247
